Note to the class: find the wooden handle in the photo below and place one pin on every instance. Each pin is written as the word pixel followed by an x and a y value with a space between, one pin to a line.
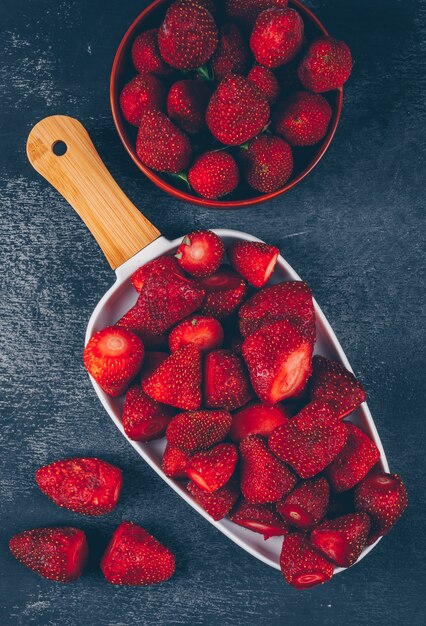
pixel 83 180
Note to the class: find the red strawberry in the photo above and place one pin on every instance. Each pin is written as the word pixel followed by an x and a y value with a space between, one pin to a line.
pixel 306 505
pixel 218 503
pixel 163 265
pixel 260 518
pixel 257 419
pixel 83 485
pixel 277 36
pixel 266 81
pixel 291 300
pixel 211 470
pixel 384 497
pixel 225 290
pixel 343 539
pixel 246 11
pixel 143 92
pixel 152 361
pixel 255 261
pixel 353 462
pixel 177 381
pixel 188 35
pixel 136 321
pixel 266 163
pixel 303 118
pixel 309 441
pixel 326 65
pixel 302 566
pixel 53 553
pixel 200 253
pixel 113 356
pixel 144 419
pixel 175 462
pixel 198 430
pixel 134 557
pixel 146 55
pixel 278 358
pixel 226 383
pixel 160 144
pixel 231 54
pixel 331 382
pixel 206 333
pixel 237 111
pixel 187 103
pixel 214 174
pixel 263 477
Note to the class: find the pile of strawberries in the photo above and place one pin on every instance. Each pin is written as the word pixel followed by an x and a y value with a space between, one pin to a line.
pixel 227 92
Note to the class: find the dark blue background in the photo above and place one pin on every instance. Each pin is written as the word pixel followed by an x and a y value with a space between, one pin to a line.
pixel 354 230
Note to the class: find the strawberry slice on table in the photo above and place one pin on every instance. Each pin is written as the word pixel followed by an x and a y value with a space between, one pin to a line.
pixel 143 418
pixel 175 462
pixel 200 253
pixel 177 381
pixel 225 290
pixel 83 485
pixel 384 497
pixel 113 357
pixel 260 518
pixel 306 505
pixel 54 553
pixel 152 362
pixel 278 358
pixel 353 462
pixel 163 265
pixel 212 469
pixel 206 333
pixel 309 441
pixel 257 419
pixel 255 261
pixel 343 539
pixel 333 383
pixel 226 381
pixel 134 557
pixel 263 477
pixel 301 565
pixel 198 430
pixel 220 502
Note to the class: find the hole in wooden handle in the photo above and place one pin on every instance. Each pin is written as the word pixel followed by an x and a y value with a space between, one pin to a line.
pixel 59 148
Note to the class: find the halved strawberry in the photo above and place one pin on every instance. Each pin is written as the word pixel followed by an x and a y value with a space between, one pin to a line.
pixel 113 357
pixel 257 419
pixel 225 290
pixel 260 518
pixel 226 382
pixel 343 539
pixel 306 505
pixel 198 430
pixel 218 503
pixel 278 358
pixel 200 253
pixel 143 418
pixel 174 462
pixel 206 333
pixel 212 469
pixel 301 565
pixel 255 261
pixel 163 265
pixel 152 362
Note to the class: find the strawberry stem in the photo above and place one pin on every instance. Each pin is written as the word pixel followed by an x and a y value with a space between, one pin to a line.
pixel 205 72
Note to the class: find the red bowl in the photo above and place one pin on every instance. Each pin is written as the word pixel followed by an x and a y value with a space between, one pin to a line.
pixel 123 70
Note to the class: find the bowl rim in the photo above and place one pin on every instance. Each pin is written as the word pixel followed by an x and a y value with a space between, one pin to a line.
pixel 183 195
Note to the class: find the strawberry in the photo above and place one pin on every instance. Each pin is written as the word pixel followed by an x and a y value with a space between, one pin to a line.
pixel 143 92
pixel 343 539
pixel 200 253
pixel 163 265
pixel 146 55
pixel 306 505
pixel 152 361
pixel 263 477
pixel 225 290
pixel 188 35
pixel 331 382
pixel 231 54
pixel 260 518
pixel 206 333
pixel 266 81
pixel 134 557
pixel 266 163
pixel 177 381
pixel 309 441
pixel 277 36
pixel 53 553
pixel 175 462
pixel 113 357
pixel 278 358
pixel 214 174
pixel 255 261
pixel 384 497
pixel 198 430
pixel 226 383
pixel 246 11
pixel 187 102
pixel 353 462
pixel 136 321
pixel 160 144
pixel 301 565
pixel 326 65
pixel 83 485
pixel 237 111
pixel 291 300
pixel 144 419
pixel 212 469
pixel 218 503
pixel 302 118
pixel 257 419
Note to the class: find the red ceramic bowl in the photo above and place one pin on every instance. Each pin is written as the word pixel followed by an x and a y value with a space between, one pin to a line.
pixel 122 71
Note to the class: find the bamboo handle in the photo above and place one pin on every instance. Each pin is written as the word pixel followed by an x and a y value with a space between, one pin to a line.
pixel 83 180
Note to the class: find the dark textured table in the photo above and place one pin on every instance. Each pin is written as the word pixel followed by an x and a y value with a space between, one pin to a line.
pixel 354 230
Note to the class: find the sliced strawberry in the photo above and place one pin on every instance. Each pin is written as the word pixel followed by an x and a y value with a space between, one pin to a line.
pixel 83 485
pixel 200 253
pixel 113 357
pixel 255 261
pixel 136 321
pixel 174 462
pixel 177 381
pixel 218 503
pixel 302 566
pixel 311 440
pixel 211 470
pixel 143 418
pixel 260 518
pixel 306 505
pixel 226 382
pixel 152 362
pixel 343 539
pixel 225 290
pixel 257 419
pixel 163 265
pixel 54 553
pixel 353 462
pixel 198 430
pixel 206 333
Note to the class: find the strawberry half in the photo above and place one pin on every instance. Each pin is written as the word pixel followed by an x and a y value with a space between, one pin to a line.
pixel 212 469
pixel 198 430
pixel 260 518
pixel 257 419
pixel 83 485
pixel 200 253
pixel 175 462
pixel 220 502
pixel 226 383
pixel 163 265
pixel 225 290
pixel 255 261
pixel 301 565
pixel 343 539
pixel 205 333
pixel 143 418
pixel 306 505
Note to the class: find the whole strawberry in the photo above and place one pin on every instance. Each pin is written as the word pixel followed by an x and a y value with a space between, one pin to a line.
pixel 326 65
pixel 160 144
pixel 245 12
pixel 214 175
pixel 266 163
pixel 142 92
pixel 146 55
pixel 266 81
pixel 188 35
pixel 198 430
pixel 231 55
pixel 143 418
pixel 276 37
pixel 187 102
pixel 303 118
